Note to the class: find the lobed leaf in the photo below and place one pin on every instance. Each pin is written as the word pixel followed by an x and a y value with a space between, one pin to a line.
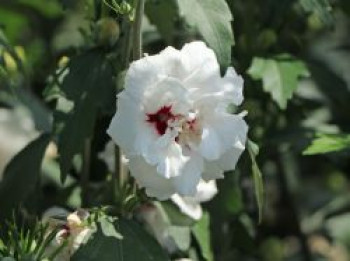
pixel 21 175
pixel 212 19
pixel 106 244
pixel 163 14
pixel 279 76
pixel 325 143
pixel 91 87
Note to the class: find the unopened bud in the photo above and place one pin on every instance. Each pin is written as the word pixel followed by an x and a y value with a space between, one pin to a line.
pixel 108 31
pixel 125 8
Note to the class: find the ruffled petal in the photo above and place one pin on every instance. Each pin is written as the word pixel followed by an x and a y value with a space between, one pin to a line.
pixel 232 85
pixel 186 183
pixel 147 177
pixel 124 126
pixel 206 190
pixel 210 146
pixel 146 72
pixel 212 171
pixel 188 206
pixel 201 66
pixel 221 131
pixel 228 160
pixel 173 161
pixel 196 54
pixel 166 92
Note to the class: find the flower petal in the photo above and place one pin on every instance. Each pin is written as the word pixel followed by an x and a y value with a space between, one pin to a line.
pixel 124 126
pixel 232 84
pixel 221 131
pixel 146 176
pixel 210 146
pixel 186 183
pixel 188 206
pixel 148 71
pixel 212 171
pixel 196 54
pixel 167 91
pixel 229 160
pixel 173 161
pixel 206 190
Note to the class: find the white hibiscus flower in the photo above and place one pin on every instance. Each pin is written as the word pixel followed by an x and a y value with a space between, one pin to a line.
pixel 172 121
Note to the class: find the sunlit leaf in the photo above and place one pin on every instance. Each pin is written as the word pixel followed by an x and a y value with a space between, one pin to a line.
pixel 90 85
pixel 212 19
pixel 135 244
pixel 21 175
pixel 163 15
pixel 181 236
pixel 201 231
pixel 325 143
pixel 279 76
pixel 175 216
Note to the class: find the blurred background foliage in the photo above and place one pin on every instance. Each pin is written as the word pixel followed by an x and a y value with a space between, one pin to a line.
pixel 60 68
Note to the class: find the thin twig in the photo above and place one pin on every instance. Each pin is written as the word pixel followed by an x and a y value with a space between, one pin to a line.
pixel 137 30
pixel 85 174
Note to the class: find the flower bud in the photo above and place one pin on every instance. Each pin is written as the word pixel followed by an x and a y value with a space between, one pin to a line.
pixel 108 31
pixel 125 8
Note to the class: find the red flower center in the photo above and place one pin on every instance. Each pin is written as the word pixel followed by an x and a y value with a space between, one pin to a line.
pixel 160 119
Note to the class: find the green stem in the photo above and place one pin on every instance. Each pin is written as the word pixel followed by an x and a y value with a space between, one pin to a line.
pixel 84 179
pixel 116 177
pixel 133 39
pixel 127 28
pixel 137 32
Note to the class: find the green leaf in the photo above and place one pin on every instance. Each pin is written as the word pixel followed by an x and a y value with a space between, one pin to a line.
pixel 108 228
pixel 181 236
pixel 90 85
pixel 163 15
pixel 257 176
pixel 21 175
pixel 201 231
pixel 178 224
pixel 40 114
pixel 242 236
pixel 279 76
pixel 8 259
pixel 50 9
pixel 136 244
pixel 325 143
pixel 175 216
pixel 212 19
pixel 321 9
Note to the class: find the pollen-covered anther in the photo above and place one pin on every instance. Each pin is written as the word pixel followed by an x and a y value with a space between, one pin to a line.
pixel 191 133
